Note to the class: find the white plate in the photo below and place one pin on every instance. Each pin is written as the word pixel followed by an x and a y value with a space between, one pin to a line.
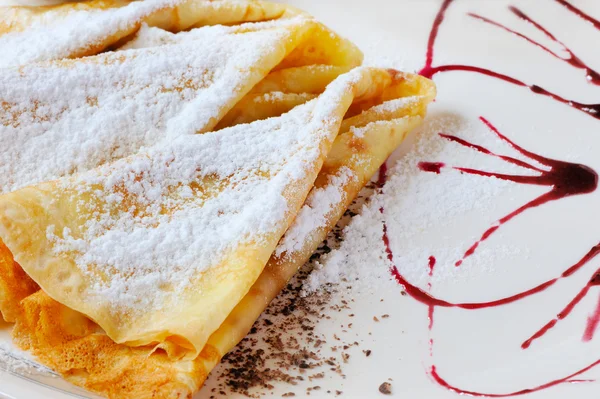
pixel 474 350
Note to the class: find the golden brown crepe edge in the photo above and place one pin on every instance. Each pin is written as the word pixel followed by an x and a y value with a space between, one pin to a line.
pixel 16 285
pixel 40 328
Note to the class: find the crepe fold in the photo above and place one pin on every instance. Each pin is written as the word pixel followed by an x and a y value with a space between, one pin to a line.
pixel 65 116
pixel 135 253
pixel 122 353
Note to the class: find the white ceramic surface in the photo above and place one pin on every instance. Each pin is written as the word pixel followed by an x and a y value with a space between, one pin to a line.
pixel 476 350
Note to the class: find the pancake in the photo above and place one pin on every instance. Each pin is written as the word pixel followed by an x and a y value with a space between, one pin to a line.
pixel 66 116
pixel 75 346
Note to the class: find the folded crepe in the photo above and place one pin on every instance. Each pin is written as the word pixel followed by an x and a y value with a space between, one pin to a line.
pixel 65 116
pixel 174 252
pixel 147 252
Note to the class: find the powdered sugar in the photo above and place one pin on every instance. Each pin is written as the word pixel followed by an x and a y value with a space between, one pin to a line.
pixel 14 360
pixel 148 36
pixel 313 214
pixel 360 258
pixel 384 110
pixel 55 34
pixel 419 206
pixel 69 117
pixel 164 239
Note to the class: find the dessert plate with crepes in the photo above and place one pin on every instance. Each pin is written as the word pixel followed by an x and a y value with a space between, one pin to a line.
pixel 162 176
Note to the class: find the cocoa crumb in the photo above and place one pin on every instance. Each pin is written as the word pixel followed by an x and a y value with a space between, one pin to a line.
pixel 375 319
pixel 284 343
pixel 275 342
pixel 367 352
pixel 316 376
pixel 385 316
pixel 385 388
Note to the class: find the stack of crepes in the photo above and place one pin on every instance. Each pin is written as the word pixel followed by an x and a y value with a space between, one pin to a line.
pixel 166 166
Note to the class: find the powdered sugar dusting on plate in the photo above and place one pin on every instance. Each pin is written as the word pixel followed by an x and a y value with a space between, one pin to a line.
pixel 416 203
pixel 360 258
pixel 17 361
pixel 315 210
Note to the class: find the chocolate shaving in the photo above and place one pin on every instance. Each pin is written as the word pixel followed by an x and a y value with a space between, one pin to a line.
pixel 283 345
pixel 385 388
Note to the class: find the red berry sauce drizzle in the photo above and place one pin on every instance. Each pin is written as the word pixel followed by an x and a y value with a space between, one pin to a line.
pixel 591 75
pixel 429 70
pixel 564 179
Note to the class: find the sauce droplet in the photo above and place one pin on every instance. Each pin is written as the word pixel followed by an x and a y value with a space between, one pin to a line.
pixel 434 167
